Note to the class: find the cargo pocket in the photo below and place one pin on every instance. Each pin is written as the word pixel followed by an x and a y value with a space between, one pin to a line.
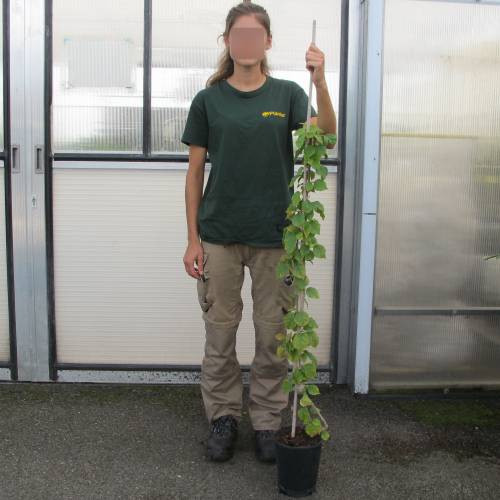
pixel 286 296
pixel 202 286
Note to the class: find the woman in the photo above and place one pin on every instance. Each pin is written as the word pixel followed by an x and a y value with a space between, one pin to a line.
pixel 244 119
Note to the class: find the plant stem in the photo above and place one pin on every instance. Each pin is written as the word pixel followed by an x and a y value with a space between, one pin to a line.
pixel 294 413
pixel 319 415
pixel 300 303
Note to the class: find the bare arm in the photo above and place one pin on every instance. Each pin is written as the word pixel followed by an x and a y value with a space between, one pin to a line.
pixel 193 194
pixel 326 119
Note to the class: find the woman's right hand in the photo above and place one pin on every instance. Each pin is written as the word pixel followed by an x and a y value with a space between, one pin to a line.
pixel 194 253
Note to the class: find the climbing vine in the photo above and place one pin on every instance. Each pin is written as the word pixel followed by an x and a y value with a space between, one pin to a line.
pixel 301 246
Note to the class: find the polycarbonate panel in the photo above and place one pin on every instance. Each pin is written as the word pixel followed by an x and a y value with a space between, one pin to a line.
pixel 435 351
pixel 186 48
pixel 97 75
pixel 2 143
pixel 122 294
pixel 439 197
pixel 4 304
pixel 439 215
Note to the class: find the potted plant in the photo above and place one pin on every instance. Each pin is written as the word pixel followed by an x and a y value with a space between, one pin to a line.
pixel 298 447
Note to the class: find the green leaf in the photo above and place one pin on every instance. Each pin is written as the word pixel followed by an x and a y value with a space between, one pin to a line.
pixel 298 219
pixel 304 415
pixel 318 154
pixel 309 150
pixel 330 139
pixel 312 389
pixel 300 341
pixel 298 376
pixel 318 206
pixel 296 198
pixel 320 185
pixel 280 336
pixel 300 142
pixel 307 206
pixel 288 320
pixel 319 251
pixel 282 269
pixel 309 370
pixel 312 357
pixel 312 323
pixel 313 226
pixel 290 241
pixel 299 270
pixel 301 318
pixel 300 283
pixel 313 428
pixel 325 435
pixel 314 340
pixel 305 400
pixel 286 385
pixel 312 292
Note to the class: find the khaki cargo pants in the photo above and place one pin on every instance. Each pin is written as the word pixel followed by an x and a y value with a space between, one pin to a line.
pixel 219 295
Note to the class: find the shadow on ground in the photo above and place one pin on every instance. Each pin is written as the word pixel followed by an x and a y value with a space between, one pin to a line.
pixel 147 442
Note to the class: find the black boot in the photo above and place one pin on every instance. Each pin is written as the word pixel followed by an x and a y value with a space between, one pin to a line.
pixel 222 438
pixel 265 445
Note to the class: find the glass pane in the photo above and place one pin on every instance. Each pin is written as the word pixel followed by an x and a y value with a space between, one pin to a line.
pixel 97 76
pixel 439 198
pixel 186 49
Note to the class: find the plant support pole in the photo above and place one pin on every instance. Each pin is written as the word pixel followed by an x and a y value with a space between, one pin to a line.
pixel 300 305
pixel 310 78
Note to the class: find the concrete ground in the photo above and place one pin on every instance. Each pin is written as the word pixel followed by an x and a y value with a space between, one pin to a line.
pixel 85 441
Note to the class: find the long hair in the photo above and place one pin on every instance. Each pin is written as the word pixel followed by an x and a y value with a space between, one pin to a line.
pixel 225 65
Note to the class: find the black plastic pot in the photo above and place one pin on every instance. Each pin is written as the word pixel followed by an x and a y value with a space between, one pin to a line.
pixel 297 467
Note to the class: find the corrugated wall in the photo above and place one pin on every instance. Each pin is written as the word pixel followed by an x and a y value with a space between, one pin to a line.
pixel 439 198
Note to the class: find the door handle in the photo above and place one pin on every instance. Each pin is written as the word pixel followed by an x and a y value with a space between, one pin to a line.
pixel 14 155
pixel 38 159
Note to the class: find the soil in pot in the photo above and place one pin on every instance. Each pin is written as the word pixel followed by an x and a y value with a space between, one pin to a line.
pixel 301 437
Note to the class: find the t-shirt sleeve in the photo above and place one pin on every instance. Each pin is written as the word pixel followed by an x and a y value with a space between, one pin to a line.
pixel 196 127
pixel 298 112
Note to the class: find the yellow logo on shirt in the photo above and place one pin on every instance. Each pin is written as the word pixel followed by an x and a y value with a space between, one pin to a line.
pixel 273 113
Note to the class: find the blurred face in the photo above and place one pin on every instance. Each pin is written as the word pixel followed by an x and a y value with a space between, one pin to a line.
pixel 247 41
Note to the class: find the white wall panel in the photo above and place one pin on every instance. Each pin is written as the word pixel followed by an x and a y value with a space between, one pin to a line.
pixel 121 291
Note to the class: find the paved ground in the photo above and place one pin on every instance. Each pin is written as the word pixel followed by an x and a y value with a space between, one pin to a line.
pixel 65 441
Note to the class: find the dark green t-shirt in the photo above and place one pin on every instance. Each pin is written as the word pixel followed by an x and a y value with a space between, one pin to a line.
pixel 248 136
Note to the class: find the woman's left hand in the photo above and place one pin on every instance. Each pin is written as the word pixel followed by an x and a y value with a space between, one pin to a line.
pixel 315 62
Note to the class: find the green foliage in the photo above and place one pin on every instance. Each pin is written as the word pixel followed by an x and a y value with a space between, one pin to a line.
pixel 301 246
